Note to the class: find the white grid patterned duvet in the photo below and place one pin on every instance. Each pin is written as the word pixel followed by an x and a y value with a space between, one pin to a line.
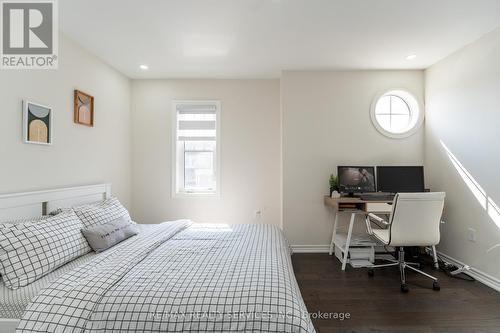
pixel 179 277
pixel 14 302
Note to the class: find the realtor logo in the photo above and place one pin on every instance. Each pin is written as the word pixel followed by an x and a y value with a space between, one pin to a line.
pixel 29 34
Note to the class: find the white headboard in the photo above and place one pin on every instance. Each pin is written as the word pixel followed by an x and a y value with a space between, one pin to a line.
pixel 32 204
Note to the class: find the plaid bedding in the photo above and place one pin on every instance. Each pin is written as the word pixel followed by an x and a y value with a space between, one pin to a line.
pixel 179 277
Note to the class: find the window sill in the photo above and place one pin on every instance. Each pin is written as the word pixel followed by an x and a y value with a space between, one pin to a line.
pixel 206 195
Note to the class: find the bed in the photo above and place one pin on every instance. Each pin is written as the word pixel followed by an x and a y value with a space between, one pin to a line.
pixel 174 276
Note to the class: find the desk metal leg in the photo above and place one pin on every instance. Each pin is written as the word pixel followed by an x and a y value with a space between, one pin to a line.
pixel 435 257
pixel 334 232
pixel 348 241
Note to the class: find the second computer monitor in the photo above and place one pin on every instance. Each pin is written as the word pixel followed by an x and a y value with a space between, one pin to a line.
pixel 396 179
pixel 356 179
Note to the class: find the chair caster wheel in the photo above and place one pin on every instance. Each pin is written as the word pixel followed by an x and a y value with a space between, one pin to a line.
pixel 404 288
pixel 436 286
pixel 371 272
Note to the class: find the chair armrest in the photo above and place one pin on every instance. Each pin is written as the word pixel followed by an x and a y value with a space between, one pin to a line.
pixel 374 217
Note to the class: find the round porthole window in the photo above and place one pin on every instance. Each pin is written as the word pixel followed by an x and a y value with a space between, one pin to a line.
pixel 396 114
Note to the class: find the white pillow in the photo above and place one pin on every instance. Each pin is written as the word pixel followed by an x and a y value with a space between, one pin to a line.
pixel 22 222
pixel 101 213
pixel 30 250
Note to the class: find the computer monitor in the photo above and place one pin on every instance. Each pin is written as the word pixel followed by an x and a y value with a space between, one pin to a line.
pixel 396 179
pixel 356 179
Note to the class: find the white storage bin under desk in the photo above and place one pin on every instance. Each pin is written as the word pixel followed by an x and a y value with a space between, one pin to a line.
pixel 361 250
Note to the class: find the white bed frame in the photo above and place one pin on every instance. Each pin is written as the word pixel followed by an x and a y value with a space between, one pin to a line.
pixel 33 204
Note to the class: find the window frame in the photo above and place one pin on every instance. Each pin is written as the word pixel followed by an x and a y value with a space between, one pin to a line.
pixel 416 110
pixel 176 192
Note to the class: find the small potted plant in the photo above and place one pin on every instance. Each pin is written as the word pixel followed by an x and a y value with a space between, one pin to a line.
pixel 334 186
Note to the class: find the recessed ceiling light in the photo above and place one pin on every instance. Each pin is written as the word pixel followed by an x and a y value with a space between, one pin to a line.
pixel 144 67
pixel 411 57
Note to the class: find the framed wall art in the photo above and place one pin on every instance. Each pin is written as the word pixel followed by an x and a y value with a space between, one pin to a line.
pixel 37 123
pixel 84 108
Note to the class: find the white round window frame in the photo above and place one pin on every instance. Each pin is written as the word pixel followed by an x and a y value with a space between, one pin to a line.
pixel 415 108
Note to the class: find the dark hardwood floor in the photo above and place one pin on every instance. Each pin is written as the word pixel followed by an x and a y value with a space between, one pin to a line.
pixel 376 304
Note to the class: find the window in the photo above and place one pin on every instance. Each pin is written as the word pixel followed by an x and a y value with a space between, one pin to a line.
pixel 196 151
pixel 396 114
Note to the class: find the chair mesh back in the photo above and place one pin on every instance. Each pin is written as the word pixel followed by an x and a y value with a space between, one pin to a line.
pixel 415 219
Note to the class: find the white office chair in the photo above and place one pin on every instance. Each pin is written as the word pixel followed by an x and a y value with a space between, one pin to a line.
pixel 414 221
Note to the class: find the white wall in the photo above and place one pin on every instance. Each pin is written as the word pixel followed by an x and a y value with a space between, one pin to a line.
pixel 250 151
pixel 79 155
pixel 326 122
pixel 463 113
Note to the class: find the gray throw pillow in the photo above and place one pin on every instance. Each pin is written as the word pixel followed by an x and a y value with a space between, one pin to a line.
pixel 103 236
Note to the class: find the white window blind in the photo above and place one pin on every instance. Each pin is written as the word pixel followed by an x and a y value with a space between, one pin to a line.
pixel 196 122
pixel 196 153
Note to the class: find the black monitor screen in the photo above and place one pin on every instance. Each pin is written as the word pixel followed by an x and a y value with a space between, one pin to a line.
pixel 356 179
pixel 397 179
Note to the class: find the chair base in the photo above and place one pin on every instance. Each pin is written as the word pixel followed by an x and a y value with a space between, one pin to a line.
pixel 402 266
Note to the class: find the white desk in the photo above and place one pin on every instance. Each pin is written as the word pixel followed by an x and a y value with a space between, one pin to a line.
pixel 353 206
pixel 356 206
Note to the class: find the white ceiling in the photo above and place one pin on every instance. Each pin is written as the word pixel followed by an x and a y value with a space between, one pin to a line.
pixel 260 38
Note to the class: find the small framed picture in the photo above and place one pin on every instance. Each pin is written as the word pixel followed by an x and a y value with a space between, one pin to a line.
pixel 37 123
pixel 84 108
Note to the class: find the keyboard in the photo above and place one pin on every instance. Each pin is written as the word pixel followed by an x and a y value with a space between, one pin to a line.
pixel 377 197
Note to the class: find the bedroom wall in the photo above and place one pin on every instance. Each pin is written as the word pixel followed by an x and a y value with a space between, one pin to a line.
pixel 79 155
pixel 326 123
pixel 250 151
pixel 462 154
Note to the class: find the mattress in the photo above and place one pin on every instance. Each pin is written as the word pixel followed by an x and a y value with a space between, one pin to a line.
pixel 179 277
pixel 14 302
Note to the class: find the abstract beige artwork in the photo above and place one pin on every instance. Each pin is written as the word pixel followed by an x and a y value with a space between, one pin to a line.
pixel 84 108
pixel 37 123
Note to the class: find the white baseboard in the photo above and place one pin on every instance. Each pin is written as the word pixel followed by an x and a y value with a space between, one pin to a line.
pixel 311 248
pixel 322 248
pixel 480 276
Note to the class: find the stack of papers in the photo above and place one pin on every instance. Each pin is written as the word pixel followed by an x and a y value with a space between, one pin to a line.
pixel 356 240
pixel 360 263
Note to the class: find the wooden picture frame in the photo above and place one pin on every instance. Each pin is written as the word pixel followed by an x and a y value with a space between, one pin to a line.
pixel 83 108
pixel 37 123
